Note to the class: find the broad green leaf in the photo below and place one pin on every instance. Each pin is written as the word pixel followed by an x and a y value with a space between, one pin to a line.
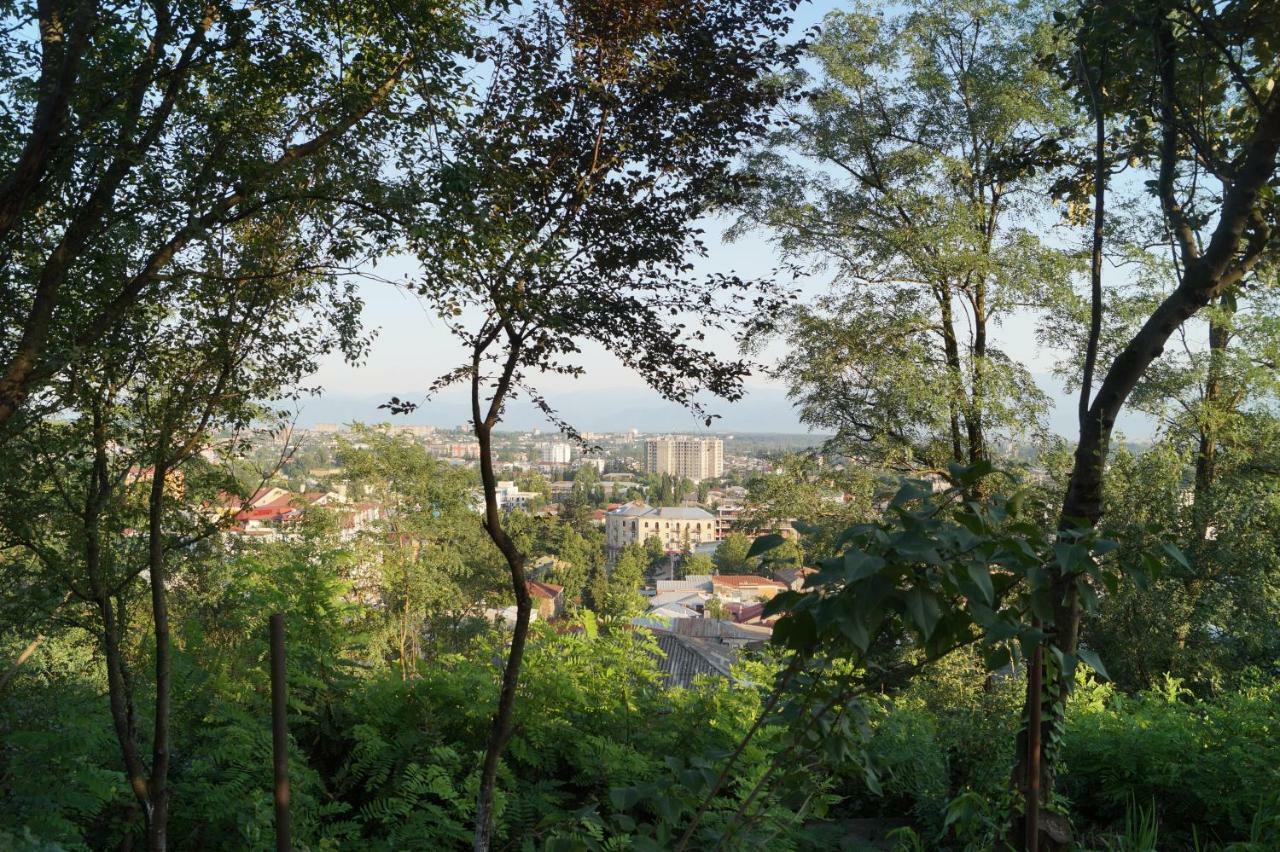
pixel 1092 660
pixel 765 543
pixel 859 565
pixel 981 577
pixel 923 609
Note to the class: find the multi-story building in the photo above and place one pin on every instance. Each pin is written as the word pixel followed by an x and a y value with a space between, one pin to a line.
pixel 692 458
pixel 677 527
pixel 556 453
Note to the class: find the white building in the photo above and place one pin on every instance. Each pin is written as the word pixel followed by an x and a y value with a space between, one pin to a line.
pixel 556 453
pixel 509 496
pixel 677 527
pixel 693 458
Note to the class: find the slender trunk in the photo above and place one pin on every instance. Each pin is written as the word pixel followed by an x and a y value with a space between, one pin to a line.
pixel 404 634
pixel 1213 407
pixel 118 698
pixel 1095 257
pixel 978 402
pixel 1211 412
pixel 157 828
pixel 112 613
pixel 501 728
pixel 951 353
pixel 500 731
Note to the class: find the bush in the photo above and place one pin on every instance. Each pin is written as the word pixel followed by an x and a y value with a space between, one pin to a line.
pixel 1208 766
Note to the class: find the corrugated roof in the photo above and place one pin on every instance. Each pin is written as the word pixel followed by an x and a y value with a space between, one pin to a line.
pixel 683 660
pixel 708 628
pixel 736 580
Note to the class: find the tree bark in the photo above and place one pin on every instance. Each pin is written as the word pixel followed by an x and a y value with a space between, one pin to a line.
pixel 978 402
pixel 64 35
pixel 158 825
pixel 500 730
pixel 951 354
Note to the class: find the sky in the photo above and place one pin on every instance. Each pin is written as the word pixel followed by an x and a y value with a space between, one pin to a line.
pixel 412 347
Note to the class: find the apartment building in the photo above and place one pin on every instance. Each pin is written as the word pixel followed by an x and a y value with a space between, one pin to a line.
pixel 677 527
pixel 693 458
pixel 556 452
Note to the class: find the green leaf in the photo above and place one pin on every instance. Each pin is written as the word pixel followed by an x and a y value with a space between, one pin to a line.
pixel 923 609
pixel 981 577
pixel 1092 660
pixel 859 565
pixel 1173 552
pixel 764 544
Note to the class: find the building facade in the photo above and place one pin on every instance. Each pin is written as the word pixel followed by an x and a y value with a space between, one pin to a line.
pixel 692 458
pixel 556 453
pixel 676 527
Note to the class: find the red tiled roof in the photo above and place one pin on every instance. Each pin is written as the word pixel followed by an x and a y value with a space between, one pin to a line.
pixel 539 589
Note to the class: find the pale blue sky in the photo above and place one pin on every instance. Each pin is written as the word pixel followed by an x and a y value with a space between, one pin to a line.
pixel 413 346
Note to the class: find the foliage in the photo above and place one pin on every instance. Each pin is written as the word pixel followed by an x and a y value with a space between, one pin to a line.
pixel 901 176
pixel 1207 765
pixel 731 555
pixel 137 137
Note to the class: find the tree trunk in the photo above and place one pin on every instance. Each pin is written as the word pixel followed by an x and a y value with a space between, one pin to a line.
pixel 978 401
pixel 1206 275
pixel 500 730
pixel 158 825
pixel 951 353
pixel 1211 411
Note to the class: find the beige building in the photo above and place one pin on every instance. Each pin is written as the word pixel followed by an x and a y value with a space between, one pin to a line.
pixel 677 527
pixel 694 458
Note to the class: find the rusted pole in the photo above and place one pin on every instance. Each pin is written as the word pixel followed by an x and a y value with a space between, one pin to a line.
pixel 280 734
pixel 1035 684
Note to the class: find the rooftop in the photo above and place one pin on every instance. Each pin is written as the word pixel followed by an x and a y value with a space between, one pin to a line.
pixel 637 509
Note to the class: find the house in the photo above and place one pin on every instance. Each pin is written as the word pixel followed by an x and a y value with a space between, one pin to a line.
pixel 793 578
pixel 682 660
pixel 744 587
pixel 548 598
pixel 691 598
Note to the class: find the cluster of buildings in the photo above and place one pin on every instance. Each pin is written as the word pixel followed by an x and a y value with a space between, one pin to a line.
pixel 271 513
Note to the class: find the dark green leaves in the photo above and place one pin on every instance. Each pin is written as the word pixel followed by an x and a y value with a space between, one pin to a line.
pixel 764 544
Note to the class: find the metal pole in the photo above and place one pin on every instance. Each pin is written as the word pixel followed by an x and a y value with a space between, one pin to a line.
pixel 280 734
pixel 1035 685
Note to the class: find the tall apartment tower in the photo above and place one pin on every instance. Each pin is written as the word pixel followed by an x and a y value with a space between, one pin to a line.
pixel 693 458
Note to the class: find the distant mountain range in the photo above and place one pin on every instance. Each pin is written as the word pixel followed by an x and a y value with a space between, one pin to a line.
pixel 765 408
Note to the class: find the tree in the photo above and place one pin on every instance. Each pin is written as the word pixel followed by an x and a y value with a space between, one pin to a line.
pixel 437 569
pixel 657 560
pixel 1193 100
pixel 716 610
pixel 903 174
pixel 697 563
pixel 824 500
pixel 118 488
pixel 152 128
pixel 731 555
pixel 621 598
pixel 559 208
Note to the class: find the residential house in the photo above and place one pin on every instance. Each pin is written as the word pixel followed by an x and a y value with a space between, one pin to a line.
pixel 548 598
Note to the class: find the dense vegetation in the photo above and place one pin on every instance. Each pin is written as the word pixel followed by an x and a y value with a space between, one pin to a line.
pixel 1074 645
